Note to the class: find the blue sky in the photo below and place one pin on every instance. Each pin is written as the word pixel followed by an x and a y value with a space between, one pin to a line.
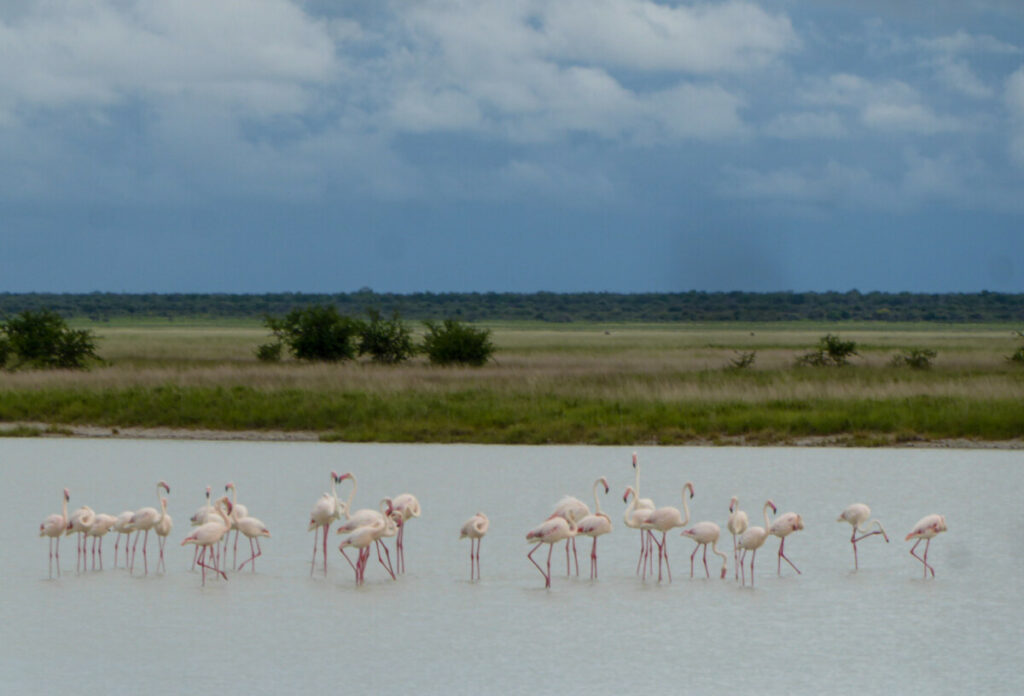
pixel 511 145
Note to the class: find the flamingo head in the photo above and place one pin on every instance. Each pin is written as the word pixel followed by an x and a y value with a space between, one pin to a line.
pixel 207 493
pixel 770 504
pixel 629 491
pixel 229 486
pixel 732 503
pixel 163 484
pixel 605 482
pixel 346 475
pixel 690 486
pixel 940 526
pixel 798 524
pixel 634 460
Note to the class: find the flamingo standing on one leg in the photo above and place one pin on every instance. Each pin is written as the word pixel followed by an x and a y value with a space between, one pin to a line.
pixel 253 529
pixel 595 525
pixel 238 511
pixel 79 523
pixel 406 504
pixel 705 533
pixel 209 534
pixel 550 532
pixel 926 528
pixel 782 526
pixel 162 528
pixel 857 515
pixel 475 528
pixel 53 527
pixel 665 518
pixel 100 526
pixel 751 540
pixel 326 510
pixel 142 521
pixel 736 525
pixel 124 528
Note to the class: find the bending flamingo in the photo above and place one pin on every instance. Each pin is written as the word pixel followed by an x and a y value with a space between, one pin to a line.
pixel 79 523
pixel 253 529
pixel 858 515
pixel 705 533
pixel 207 535
pixel 361 538
pixel 124 528
pixel 595 525
pixel 782 526
pixel 751 540
pixel 53 527
pixel 409 507
pixel 574 508
pixel 550 532
pixel 100 526
pixel 325 511
pixel 474 529
pixel 736 525
pixel 636 517
pixel 926 528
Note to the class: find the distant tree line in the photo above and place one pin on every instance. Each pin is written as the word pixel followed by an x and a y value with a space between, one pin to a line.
pixel 544 306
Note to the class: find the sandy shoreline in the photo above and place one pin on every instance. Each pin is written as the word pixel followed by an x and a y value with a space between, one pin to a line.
pixel 89 431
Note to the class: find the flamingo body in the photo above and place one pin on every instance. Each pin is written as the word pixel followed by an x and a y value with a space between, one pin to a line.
pixel 926 529
pixel 474 529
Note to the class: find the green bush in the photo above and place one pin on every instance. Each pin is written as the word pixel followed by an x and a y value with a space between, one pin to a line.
pixel 916 358
pixel 451 343
pixel 387 341
pixel 315 333
pixel 43 339
pixel 743 360
pixel 269 352
pixel 831 352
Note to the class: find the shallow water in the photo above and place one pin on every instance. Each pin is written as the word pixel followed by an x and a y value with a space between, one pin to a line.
pixel 882 629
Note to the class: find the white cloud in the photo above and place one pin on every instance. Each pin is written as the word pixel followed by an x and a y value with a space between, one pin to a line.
pixel 962 42
pixel 806 124
pixel 1014 98
pixel 885 105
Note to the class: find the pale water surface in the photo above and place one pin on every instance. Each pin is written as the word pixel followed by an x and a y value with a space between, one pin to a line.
pixel 880 630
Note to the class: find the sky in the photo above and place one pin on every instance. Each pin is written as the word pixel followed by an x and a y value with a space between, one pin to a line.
pixel 511 145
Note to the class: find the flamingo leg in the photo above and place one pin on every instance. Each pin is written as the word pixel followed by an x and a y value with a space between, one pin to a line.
pixel 925 559
pixel 593 560
pixel 735 559
pixel 547 578
pixel 743 575
pixel 327 528
pixel 782 556
pixel 568 565
pixel 752 557
pixel 316 538
pixel 706 571
pixel 643 548
pixel 387 566
pixel 202 556
pixel 356 570
pixel 695 549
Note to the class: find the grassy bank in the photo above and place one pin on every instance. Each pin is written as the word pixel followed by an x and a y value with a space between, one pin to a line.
pixel 601 384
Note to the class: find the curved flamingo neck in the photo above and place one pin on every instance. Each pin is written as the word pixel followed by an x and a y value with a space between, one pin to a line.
pixel 597 502
pixel 64 509
pixel 351 496
pixel 686 508
pixel 768 522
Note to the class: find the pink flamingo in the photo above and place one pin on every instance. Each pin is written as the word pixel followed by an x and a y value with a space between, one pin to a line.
pixel 641 504
pixel 751 540
pixel 364 535
pixel 253 529
pixel 595 525
pixel 705 533
pixel 124 528
pixel 575 508
pixel 79 523
pixel 782 526
pixel 474 529
pixel 203 515
pixel 857 515
pixel 665 518
pixel 144 520
pixel 209 534
pixel 926 528
pixel 100 526
pixel 636 517
pixel 386 520
pixel 736 525
pixel 326 510
pixel 238 512
pixel 550 532
pixel 409 507
pixel 163 528
pixel 53 527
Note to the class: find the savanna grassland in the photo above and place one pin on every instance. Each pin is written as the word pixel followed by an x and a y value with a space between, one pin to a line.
pixel 566 383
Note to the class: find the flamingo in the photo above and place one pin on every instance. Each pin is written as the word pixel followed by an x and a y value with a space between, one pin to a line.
pixel 782 526
pixel 577 509
pixel 123 527
pixel 238 512
pixel 926 528
pixel 100 526
pixel 386 519
pixel 406 504
pixel 142 521
pixel 326 510
pixel 595 525
pixel 705 533
pixel 364 535
pixel 253 529
pixel 53 527
pixel 665 518
pixel 475 528
pixel 550 532
pixel 163 530
pixel 752 539
pixel 641 504
pixel 736 525
pixel 857 515
pixel 636 517
pixel 209 534
pixel 79 523
pixel 202 516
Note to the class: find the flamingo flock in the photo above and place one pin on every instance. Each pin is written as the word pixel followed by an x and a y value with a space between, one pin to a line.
pixel 367 529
